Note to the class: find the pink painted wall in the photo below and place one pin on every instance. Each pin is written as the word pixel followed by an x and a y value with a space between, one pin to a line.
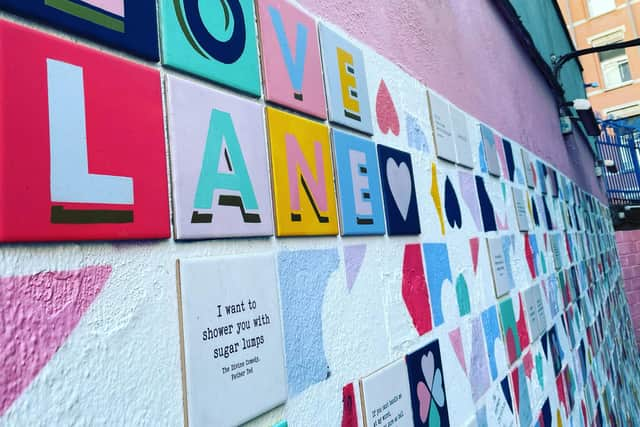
pixel 483 70
pixel 629 251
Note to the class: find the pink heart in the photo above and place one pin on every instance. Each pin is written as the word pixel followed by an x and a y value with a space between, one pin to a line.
pixel 424 397
pixel 386 111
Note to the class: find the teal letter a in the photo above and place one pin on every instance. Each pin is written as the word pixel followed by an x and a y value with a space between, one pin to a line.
pixel 235 179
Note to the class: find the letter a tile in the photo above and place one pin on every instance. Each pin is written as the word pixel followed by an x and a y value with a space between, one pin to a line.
pixel 303 190
pixel 82 143
pixel 219 163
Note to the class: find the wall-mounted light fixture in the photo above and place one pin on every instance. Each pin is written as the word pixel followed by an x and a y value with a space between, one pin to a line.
pixel 587 116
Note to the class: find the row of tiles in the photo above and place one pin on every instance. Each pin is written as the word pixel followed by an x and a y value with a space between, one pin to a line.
pixel 86 130
pixel 218 42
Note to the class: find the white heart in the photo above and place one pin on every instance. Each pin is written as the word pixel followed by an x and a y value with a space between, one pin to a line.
pixel 399 179
pixel 428 366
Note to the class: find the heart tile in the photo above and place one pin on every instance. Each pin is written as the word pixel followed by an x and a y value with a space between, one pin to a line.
pixel 400 184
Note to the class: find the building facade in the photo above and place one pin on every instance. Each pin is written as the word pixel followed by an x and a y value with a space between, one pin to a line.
pixel 593 23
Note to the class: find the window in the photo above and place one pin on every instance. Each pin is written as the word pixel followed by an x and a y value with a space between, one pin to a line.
pixel 615 67
pixel 598 7
pixel 614 63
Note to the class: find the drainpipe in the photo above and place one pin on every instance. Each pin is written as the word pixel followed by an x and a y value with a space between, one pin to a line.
pixel 634 27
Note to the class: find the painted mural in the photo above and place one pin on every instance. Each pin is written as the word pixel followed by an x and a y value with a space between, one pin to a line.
pixel 489 283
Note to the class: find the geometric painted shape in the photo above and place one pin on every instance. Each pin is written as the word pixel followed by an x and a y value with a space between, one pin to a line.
pixel 490 150
pixel 502 156
pixel 436 260
pixel 479 377
pixel 491 334
pixel 398 189
pixel 435 196
pixel 414 289
pixel 219 163
pixel 415 135
pixel 443 134
pixel 452 206
pixel 216 41
pixel 41 312
pixel 455 336
pixel 386 111
pixel 426 383
pixel 474 244
pixel 353 259
pixel 469 191
pixel 521 395
pixel 521 325
pixel 302 175
pixel 462 294
pixel 350 413
pixel 511 165
pixel 231 336
pixel 486 206
pixel 75 124
pixel 345 81
pixel 302 307
pixel 360 196
pixel 510 330
pixel 129 26
pixel 541 170
pixel 291 66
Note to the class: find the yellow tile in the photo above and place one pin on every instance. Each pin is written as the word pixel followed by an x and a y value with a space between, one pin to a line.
pixel 304 196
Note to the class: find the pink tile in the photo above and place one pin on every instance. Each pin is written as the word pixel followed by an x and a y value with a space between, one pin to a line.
pixel 292 74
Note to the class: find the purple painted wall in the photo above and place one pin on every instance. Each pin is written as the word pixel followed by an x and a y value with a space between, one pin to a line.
pixel 482 69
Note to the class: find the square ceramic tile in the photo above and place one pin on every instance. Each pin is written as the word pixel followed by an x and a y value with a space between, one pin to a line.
pixel 429 395
pixel 399 191
pixel 522 211
pixel 358 177
pixel 219 163
pixel 231 336
pixel 535 310
pixel 304 195
pixel 345 81
pixel 443 134
pixel 501 282
pixel 462 138
pixel 127 25
pixel 386 396
pixel 291 66
pixel 213 40
pixel 75 123
pixel 490 150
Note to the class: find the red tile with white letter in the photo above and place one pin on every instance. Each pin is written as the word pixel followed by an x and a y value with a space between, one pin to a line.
pixel 82 147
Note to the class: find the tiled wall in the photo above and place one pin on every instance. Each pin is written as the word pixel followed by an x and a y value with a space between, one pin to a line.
pixel 450 273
